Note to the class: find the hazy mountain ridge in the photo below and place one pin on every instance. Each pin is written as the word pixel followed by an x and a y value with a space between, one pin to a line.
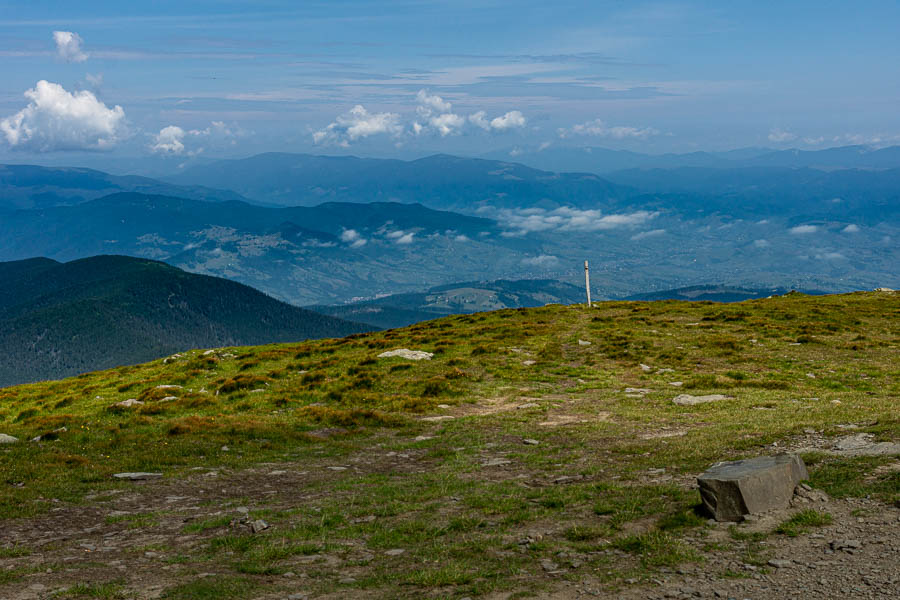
pixel 35 187
pixel 60 319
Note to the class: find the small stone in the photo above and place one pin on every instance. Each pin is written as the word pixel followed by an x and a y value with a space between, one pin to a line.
pixel 131 402
pixel 169 387
pixel 496 462
pixel 676 383
pixel 780 563
pixel 224 448
pixel 258 525
pixel 549 566
pixel 367 519
pixel 423 438
pixel 629 390
pixel 529 405
pixel 437 419
pixel 395 552
pixel 688 400
pixel 7 439
pixel 646 368
pixel 337 468
pixel 528 363
pixel 407 354
pixel 346 580
pixel 137 476
pixel 530 442
pixel 583 343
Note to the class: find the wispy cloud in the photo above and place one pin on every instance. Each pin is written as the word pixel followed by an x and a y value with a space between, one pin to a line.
pixel 780 136
pixel 598 128
pixel 646 234
pixel 803 229
pixel 524 221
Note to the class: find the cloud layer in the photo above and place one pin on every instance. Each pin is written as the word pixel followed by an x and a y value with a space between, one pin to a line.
pixel 522 222
pixel 598 128
pixel 57 120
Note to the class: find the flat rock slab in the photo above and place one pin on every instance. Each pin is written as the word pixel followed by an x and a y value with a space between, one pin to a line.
pixel 7 439
pixel 407 353
pixel 137 476
pixel 730 490
pixel 688 400
pixel 863 444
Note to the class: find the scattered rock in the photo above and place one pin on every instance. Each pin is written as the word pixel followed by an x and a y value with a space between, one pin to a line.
pixel 407 354
pixel 530 442
pixel 496 462
pixel 688 400
pixel 337 468
pixel 583 343
pixel 7 439
pixel 862 444
pixel 780 563
pixel 131 402
pixel 50 435
pixel 845 545
pixel 258 525
pixel 730 490
pixel 646 368
pixel 529 405
pixel 549 566
pixel 676 383
pixel 395 552
pixel 169 399
pixel 436 419
pixel 528 363
pixel 423 438
pixel 367 519
pixel 137 476
pixel 169 386
pixel 637 391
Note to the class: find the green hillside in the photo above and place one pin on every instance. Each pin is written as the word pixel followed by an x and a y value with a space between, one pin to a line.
pixel 537 450
pixel 60 319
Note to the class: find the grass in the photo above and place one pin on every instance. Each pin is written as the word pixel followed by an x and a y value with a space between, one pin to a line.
pixel 802 522
pixel 604 478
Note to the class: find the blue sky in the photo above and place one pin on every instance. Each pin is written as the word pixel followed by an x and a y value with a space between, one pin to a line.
pixel 404 78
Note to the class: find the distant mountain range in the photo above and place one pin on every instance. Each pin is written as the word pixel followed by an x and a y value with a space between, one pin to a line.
pixel 441 182
pixel 29 186
pixel 604 161
pixel 399 310
pixel 60 319
pixel 714 293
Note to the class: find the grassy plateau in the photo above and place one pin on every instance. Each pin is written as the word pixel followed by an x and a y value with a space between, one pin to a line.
pixel 515 458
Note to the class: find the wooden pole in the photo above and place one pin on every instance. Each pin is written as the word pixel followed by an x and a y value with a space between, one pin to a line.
pixel 587 283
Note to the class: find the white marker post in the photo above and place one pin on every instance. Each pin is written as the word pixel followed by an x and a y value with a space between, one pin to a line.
pixel 587 283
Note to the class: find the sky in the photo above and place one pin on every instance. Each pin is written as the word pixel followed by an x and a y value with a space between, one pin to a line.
pixel 94 82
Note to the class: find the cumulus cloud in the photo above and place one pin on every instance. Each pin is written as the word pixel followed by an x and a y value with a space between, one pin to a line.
pixel 598 128
pixel 523 221
pixel 803 229
pixel 358 123
pixel 56 120
pixel 511 120
pixel 431 103
pixel 447 123
pixel 68 46
pixel 462 238
pixel 171 139
pixel 646 234
pixel 406 238
pixel 762 243
pixel 851 228
pixel 781 136
pixel 544 261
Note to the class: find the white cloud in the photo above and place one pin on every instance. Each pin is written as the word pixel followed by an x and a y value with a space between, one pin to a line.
pixel 429 103
pixel 803 229
pixel 762 243
pixel 830 256
pixel 349 235
pixel 57 120
pixel 543 261
pixel 359 243
pixel 169 140
pixel 94 80
pixel 851 228
pixel 523 221
pixel 406 238
pixel 598 128
pixel 462 238
pixel 780 136
pixel 645 234
pixel 479 119
pixel 511 120
pixel 356 124
pixel 68 46
pixel 447 123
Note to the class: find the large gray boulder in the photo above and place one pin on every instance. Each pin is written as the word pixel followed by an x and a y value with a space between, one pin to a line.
pixel 730 490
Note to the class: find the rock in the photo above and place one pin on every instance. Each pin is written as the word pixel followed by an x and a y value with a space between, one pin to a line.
pixel 646 368
pixel 496 462
pixel 730 490
pixel 423 438
pixel 529 405
pixel 408 354
pixel 169 386
pixel 395 552
pixel 436 419
pixel 131 402
pixel 846 545
pixel 50 435
pixel 861 444
pixel 258 525
pixel 549 566
pixel 883 289
pixel 367 519
pixel 7 439
pixel 688 400
pixel 676 383
pixel 637 391
pixel 530 442
pixel 137 476
pixel 528 363
pixel 780 563
pixel 169 399
pixel 583 343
